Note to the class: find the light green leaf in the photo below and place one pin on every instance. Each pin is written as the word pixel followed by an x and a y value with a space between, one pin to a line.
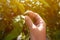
pixel 44 2
pixel 18 23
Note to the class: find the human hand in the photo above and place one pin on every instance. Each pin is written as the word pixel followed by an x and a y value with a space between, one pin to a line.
pixel 37 28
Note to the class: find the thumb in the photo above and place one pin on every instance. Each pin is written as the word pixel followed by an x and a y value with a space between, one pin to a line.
pixel 29 22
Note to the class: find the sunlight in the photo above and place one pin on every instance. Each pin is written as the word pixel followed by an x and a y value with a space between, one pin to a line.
pixel 17 18
pixel 22 1
pixel 59 12
pixel 31 0
pixel 38 3
pixel 29 5
pixel 59 4
pixel 8 1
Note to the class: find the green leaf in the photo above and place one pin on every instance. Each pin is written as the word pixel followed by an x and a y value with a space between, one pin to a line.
pixel 18 25
pixel 20 7
pixel 44 2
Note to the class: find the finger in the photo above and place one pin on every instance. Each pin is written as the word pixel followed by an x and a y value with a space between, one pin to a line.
pixel 35 17
pixel 29 23
pixel 30 14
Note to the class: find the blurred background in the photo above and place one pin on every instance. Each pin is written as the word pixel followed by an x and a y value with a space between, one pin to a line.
pixel 11 19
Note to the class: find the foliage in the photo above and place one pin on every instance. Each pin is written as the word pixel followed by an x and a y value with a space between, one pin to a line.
pixel 11 9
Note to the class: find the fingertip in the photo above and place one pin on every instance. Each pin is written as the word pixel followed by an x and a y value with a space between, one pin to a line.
pixel 26 17
pixel 27 12
pixel 28 21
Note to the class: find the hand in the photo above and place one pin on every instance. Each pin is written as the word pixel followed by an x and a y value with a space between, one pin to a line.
pixel 37 28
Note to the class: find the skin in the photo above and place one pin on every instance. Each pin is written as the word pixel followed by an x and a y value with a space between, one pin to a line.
pixel 37 28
